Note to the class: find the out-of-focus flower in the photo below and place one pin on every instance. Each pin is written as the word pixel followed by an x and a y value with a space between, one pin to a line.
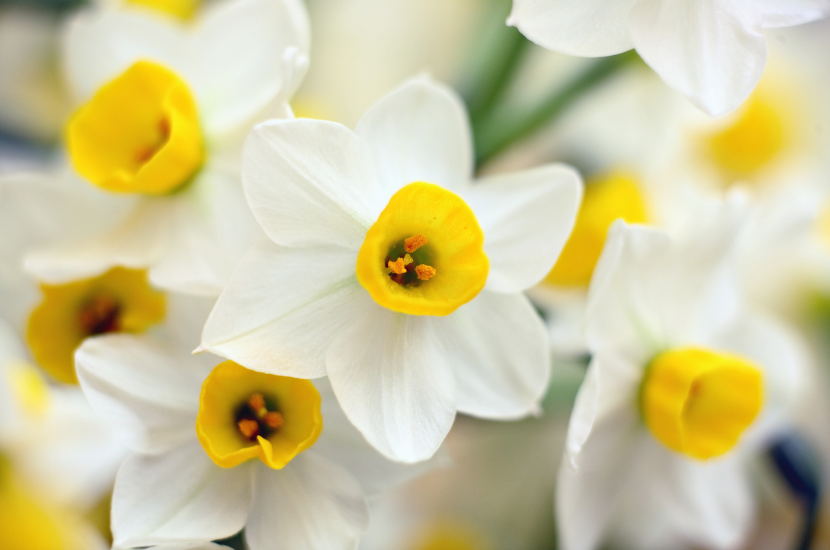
pixel 385 263
pixel 251 451
pixel 57 458
pixel 166 106
pixel 683 386
pixel 713 52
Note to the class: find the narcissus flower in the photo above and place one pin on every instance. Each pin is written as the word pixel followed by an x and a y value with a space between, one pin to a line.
pixel 683 386
pixel 712 51
pixel 221 447
pixel 388 270
pixel 164 107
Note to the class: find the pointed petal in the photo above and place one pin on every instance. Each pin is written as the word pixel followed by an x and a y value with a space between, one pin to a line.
pixel 282 308
pixel 786 13
pixel 587 28
pixel 310 182
pixel 527 217
pixel 311 503
pixel 419 132
pixel 393 381
pixel 180 495
pixel 211 229
pixel 498 347
pixel 149 390
pixel 236 63
pixel 712 52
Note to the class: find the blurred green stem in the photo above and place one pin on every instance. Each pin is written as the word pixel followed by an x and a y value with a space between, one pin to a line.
pixel 492 136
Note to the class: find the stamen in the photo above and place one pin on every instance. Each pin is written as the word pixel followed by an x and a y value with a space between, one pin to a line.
pixel 425 272
pixel 257 403
pixel 99 315
pixel 407 260
pixel 249 428
pixel 397 267
pixel 414 242
pixel 273 420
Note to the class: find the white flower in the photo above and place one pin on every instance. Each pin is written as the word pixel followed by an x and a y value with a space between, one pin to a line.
pixel 410 304
pixel 165 108
pixel 713 51
pixel 666 329
pixel 245 450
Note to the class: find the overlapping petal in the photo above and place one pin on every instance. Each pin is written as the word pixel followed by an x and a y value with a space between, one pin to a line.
pixel 527 217
pixel 311 503
pixel 419 132
pixel 178 496
pixel 394 381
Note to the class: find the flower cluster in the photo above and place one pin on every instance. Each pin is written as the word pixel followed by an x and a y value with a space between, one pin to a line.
pixel 262 290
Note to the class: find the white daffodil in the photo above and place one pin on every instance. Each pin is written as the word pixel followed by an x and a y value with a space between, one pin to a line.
pixel 164 108
pixel 712 51
pixel 57 458
pixel 389 271
pixel 221 447
pixel 683 386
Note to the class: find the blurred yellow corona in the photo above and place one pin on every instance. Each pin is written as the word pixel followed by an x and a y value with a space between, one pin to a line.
pixel 607 199
pixel 245 414
pixel 28 388
pixel 425 253
pixel 181 9
pixel 698 402
pixel 447 535
pixel 120 300
pixel 138 134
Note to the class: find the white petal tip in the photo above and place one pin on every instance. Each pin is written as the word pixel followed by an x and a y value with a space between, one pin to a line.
pixel 200 349
pixel 511 21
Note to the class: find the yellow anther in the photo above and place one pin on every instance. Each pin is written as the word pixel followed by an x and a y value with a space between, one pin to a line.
pixel 397 267
pixel 698 402
pixel 425 272
pixel 414 242
pixel 273 420
pixel 249 428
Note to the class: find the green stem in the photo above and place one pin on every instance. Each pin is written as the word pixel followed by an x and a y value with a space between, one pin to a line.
pixel 502 65
pixel 492 137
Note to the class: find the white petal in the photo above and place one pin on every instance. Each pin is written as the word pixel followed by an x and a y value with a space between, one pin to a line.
pixel 235 59
pixel 650 291
pixel 310 504
pixel 419 132
pixel 587 28
pixel 210 230
pixel 282 308
pixel 99 45
pixel 138 241
pixel 179 495
pixel 341 443
pixel 498 347
pixel 672 501
pixel 149 390
pixel 713 52
pixel 786 13
pixel 310 182
pixel 392 377
pixel 527 217
pixel 190 546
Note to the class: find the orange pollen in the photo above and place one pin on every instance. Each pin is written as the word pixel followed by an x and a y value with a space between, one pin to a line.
pixel 397 267
pixel 273 420
pixel 249 428
pixel 425 272
pixel 257 403
pixel 414 242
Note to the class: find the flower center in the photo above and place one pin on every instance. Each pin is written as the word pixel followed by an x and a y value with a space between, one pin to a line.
pixel 181 9
pixel 607 199
pixel 425 253
pixel 698 402
pixel 138 134
pixel 752 141
pixel 120 300
pixel 245 414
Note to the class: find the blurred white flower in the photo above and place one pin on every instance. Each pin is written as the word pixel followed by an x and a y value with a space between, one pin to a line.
pixel 166 108
pixel 254 450
pixel 712 51
pixel 684 385
pixel 377 274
